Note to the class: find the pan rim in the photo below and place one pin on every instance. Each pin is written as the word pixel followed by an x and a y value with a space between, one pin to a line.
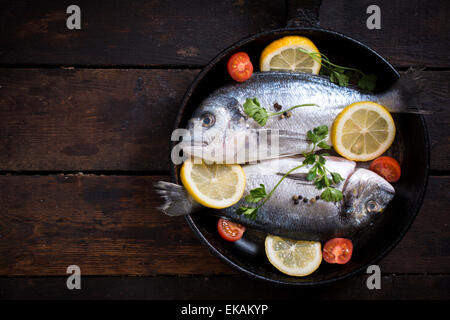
pixel 193 225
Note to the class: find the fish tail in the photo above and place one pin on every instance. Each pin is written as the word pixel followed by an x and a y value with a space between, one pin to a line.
pixel 407 94
pixel 177 201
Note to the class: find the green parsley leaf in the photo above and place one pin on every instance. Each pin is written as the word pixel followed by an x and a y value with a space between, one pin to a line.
pixel 368 82
pixel 321 131
pixel 324 145
pixel 312 174
pixel 320 169
pixel 253 109
pixel 249 212
pixel 341 79
pixel 321 159
pixel 331 194
pixel 312 136
pixel 256 195
pixel 336 177
pixel 309 159
pixel 320 183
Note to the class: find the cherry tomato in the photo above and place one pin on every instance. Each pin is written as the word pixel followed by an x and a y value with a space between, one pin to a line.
pixel 386 167
pixel 338 250
pixel 230 231
pixel 240 67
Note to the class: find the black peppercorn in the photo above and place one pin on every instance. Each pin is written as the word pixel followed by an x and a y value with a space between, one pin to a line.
pixel 277 107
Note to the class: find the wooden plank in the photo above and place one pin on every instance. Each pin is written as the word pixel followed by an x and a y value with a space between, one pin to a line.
pixel 108 225
pixel 92 119
pixel 425 247
pixel 136 32
pixel 193 32
pixel 437 92
pixel 412 32
pixel 393 287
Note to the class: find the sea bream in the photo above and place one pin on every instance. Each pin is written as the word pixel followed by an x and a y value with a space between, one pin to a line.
pixel 219 128
pixel 366 195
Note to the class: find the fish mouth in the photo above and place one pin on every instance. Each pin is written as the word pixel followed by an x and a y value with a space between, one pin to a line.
pixel 219 148
pixel 242 146
pixel 388 188
pixel 190 140
pixel 195 148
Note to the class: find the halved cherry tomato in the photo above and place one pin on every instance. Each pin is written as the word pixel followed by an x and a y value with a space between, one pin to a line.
pixel 386 167
pixel 240 67
pixel 230 231
pixel 337 250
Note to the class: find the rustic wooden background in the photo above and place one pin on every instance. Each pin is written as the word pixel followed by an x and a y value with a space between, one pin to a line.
pixel 85 118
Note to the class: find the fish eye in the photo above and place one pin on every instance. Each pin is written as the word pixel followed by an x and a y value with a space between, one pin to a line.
pixel 372 206
pixel 208 119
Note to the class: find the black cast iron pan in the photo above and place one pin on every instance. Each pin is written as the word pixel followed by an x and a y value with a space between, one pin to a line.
pixel 410 148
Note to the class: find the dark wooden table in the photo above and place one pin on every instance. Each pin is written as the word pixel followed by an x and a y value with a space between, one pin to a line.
pixel 85 121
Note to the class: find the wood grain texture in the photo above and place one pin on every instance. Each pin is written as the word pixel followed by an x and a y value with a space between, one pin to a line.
pixel 109 225
pixel 434 97
pixel 192 32
pixel 136 32
pixel 412 32
pixel 90 119
pixel 106 119
pixel 399 287
pixel 428 238
pixel 117 120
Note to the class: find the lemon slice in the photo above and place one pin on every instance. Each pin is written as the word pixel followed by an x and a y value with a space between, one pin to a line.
pixel 293 257
pixel 283 55
pixel 215 186
pixel 363 131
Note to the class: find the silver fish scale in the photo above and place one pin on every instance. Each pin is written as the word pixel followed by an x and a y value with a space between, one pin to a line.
pixel 279 214
pixel 287 136
pixel 291 89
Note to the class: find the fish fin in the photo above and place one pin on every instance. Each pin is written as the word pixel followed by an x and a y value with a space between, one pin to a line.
pixel 177 201
pixel 407 94
pixel 294 176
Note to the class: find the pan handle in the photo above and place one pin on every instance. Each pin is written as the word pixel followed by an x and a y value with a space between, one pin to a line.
pixel 303 13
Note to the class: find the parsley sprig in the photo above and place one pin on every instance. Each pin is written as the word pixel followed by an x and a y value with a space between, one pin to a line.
pixel 253 109
pixel 318 174
pixel 342 75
